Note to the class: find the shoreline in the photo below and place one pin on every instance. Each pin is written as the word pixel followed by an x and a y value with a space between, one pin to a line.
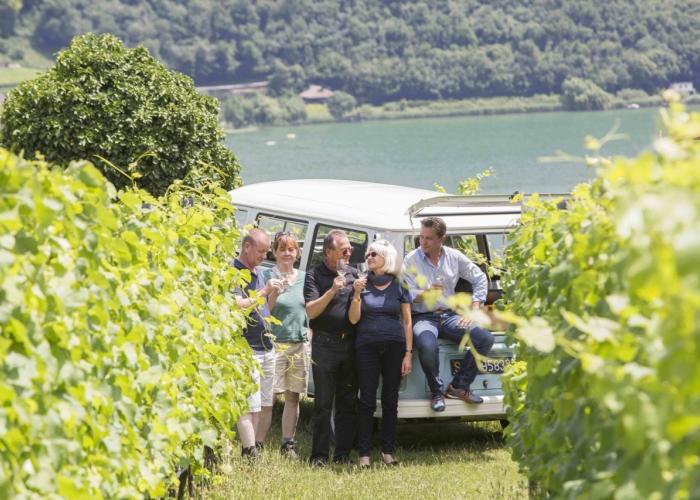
pixel 407 110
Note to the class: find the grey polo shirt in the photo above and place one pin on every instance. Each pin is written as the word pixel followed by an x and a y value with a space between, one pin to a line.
pixel 452 265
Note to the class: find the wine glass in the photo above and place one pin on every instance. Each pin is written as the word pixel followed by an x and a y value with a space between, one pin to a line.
pixel 285 276
pixel 281 275
pixel 341 267
pixel 362 270
pixel 439 279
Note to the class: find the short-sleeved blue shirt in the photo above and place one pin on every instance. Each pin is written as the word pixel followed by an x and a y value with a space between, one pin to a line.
pixel 380 319
pixel 257 330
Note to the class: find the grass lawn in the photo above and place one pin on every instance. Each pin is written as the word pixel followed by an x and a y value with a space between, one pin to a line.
pixel 439 459
pixel 9 77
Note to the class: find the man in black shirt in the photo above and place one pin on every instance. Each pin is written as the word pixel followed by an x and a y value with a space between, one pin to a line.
pixel 327 295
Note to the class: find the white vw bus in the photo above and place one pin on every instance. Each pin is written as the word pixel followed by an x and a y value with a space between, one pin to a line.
pixel 366 211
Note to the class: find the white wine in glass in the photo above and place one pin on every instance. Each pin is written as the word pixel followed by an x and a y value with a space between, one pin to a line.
pixel 341 267
pixel 281 275
pixel 439 279
pixel 362 270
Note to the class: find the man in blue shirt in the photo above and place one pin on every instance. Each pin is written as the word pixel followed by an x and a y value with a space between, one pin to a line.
pixel 443 266
pixel 253 425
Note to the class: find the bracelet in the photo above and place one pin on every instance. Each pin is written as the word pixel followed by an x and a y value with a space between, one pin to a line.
pixel 357 299
pixel 409 350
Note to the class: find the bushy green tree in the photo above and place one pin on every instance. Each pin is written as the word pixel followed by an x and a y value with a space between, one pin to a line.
pixel 286 80
pixel 261 109
pixel 234 110
pixel 580 94
pixel 293 109
pixel 340 104
pixel 102 100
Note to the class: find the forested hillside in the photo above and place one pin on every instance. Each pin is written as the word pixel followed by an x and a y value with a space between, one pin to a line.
pixel 386 50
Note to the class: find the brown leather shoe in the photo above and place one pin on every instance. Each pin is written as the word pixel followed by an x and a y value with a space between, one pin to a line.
pixel 463 395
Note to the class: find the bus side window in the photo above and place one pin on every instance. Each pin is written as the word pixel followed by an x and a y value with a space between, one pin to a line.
pixel 358 240
pixel 274 224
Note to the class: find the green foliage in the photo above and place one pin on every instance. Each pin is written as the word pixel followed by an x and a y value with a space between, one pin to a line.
pixel 120 347
pixel 632 95
pixel 381 51
pixel 580 94
pixel 472 185
pixel 606 296
pixel 465 107
pixel 234 110
pixel 8 16
pixel 241 111
pixel 286 80
pixel 341 104
pixel 102 100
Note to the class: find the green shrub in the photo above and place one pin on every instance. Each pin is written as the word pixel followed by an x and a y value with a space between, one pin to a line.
pixel 340 104
pixel 293 110
pixel 605 401
pixel 102 100
pixel 632 95
pixel 233 110
pixel 120 346
pixel 579 94
pixel 259 109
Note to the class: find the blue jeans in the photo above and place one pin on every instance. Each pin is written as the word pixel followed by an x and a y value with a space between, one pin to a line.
pixel 427 327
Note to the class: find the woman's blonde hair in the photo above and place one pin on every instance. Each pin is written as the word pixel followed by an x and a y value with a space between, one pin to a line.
pixel 392 264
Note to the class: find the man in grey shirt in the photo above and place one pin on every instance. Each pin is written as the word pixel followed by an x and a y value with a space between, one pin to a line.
pixel 443 266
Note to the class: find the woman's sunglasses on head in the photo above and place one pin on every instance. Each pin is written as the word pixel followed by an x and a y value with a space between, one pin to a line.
pixel 279 234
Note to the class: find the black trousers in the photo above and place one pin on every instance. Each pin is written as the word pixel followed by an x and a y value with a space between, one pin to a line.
pixel 374 359
pixel 335 378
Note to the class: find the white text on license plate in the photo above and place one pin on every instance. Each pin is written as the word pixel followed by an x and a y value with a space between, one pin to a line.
pixel 497 365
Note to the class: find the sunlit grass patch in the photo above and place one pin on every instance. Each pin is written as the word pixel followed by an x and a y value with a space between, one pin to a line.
pixel 9 77
pixel 439 459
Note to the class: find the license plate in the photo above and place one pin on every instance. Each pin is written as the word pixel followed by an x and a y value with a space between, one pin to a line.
pixel 497 365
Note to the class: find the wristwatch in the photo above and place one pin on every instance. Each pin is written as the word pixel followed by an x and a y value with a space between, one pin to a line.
pixel 409 350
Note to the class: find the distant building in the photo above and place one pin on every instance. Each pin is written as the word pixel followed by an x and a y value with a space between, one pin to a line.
pixel 2 97
pixel 234 89
pixel 682 87
pixel 316 94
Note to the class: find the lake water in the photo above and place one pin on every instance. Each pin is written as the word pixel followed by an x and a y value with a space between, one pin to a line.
pixel 421 152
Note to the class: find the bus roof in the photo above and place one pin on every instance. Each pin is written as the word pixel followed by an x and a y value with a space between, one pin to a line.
pixel 368 204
